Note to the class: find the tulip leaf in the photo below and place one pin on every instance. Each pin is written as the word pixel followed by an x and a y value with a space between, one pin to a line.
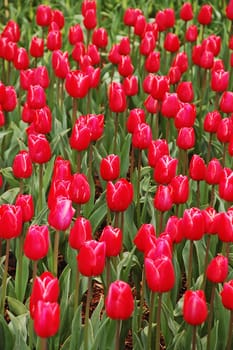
pixel 18 326
pixel 96 315
pixel 16 307
pixel 7 338
pixel 76 330
pixel 21 279
pixel 9 196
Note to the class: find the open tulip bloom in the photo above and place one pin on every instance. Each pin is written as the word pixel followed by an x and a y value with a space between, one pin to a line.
pixel 116 179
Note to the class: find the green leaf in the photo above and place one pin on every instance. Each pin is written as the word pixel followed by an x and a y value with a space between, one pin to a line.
pixel 76 332
pixel 7 339
pixel 16 307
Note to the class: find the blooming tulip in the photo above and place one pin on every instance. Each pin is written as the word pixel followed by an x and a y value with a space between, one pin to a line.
pixel 91 258
pixel 80 189
pixel 156 271
pixel 194 308
pixel 227 295
pixel 36 243
pixel 46 318
pixel 165 169
pixel 163 198
pixel 11 221
pixel 25 201
pixel 112 236
pixel 39 148
pixel 61 214
pixel 80 232
pixel 110 167
pixel 217 269
pixel 119 195
pixel 22 165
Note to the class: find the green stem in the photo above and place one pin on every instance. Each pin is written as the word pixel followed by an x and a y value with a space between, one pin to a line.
pixel 194 337
pixel 40 187
pixel 209 147
pixel 34 270
pixel 152 303
pixel 76 292
pixel 230 331
pixel 89 295
pixel 43 344
pixel 132 164
pixel 108 273
pixel 55 252
pixel 115 133
pixel 79 161
pixel 206 260
pixel 198 194
pixel 212 196
pixel 4 278
pixel 116 219
pixel 20 267
pixel 141 298
pixel 74 110
pixel 190 262
pixel 117 335
pixel 210 317
pixel 158 322
pixel 138 186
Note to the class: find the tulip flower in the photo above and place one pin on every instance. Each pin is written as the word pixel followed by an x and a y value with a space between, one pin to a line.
pixel 226 297
pixel 152 62
pixel 91 258
pixel 46 319
pixel 119 195
pixel 186 12
pixel 173 228
pixel 185 91
pixel 156 150
pixel 22 165
pixel 36 243
pixel 171 42
pixel 226 101
pixel 205 14
pixel 112 236
pixel 80 189
pixel 11 220
pixel 142 136
pixel 39 148
pixel 181 60
pixel 130 16
pixel 11 31
pixel 100 37
pixel 145 238
pixel 226 185
pixel 25 201
pixel 136 116
pixel 21 58
pixel 186 116
pixel 229 10
pixel 80 232
pixel 191 33
pixel 130 85
pixel 10 99
pixel 43 15
pixel 163 198
pixel 180 189
pixel 61 214
pixel 110 167
pixel 194 307
pixel 217 269
pixel 165 169
pixel 186 138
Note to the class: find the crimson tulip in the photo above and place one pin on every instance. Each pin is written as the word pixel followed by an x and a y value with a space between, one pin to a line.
pixel 185 91
pixel 211 121
pixel 43 15
pixel 186 12
pixel 145 238
pixel 125 66
pixel 46 318
pixel 11 31
pixel 226 185
pixel 210 217
pixel 191 33
pixel 75 34
pixel 119 195
pixel 205 14
pixel 77 83
pixel 227 295
pixel 112 236
pixel 225 130
pixel 91 258
pixel 157 270
pixel 173 228
pixel 171 42
pixel 152 62
pixel 180 189
pixel 147 44
pixel 224 222
pixel 163 198
pixel 22 165
pixel 229 10
pixel 114 56
pixel 124 46
pixel 100 37
pixel 162 247
pixel 25 201
pixel 130 16
pixel 59 187
pixel 61 214
pixel 60 63
pixel 140 25
pixel 193 223
pixel 110 167
pixel 54 40
pixel 170 105
pixel 39 148
pixel 116 97
pixel 226 102
pixel 36 97
pixel 80 136
pixel 130 85
pixel 36 243
pixel 217 269
pixel 219 80
pixel 151 105
pixel 93 53
pixel 142 136
pixel 147 83
pixel 41 77
pixel 10 99
pixel 80 189
pixel 160 86
pixel 80 232
pixel 197 168
pixel 174 75
pixel 136 116
pixel 95 123
pixel 42 120
pixel 119 302
pixel 156 150
pixel 11 221
pixel 58 18
pixel 186 116
pixel 186 138
pixel 181 60
pixel 165 169
pixel 21 58
pixel 194 307
pixel 213 172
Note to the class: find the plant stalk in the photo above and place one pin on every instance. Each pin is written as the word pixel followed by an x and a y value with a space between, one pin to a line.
pixel 4 278
pixel 88 302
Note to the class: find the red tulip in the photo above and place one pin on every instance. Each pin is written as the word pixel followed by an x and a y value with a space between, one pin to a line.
pixel 160 86
pixel 227 295
pixel 125 66
pixel 225 130
pixel 60 63
pixel 226 102
pixel 193 223
pixel 75 34
pixel 41 77
pixel 142 136
pixel 186 138
pixel 54 40
pixel 114 56
pixel 140 25
pixel 91 258
pixel 61 214
pixel 80 232
pixel 11 31
pixel 80 189
pixel 130 85
pixel 226 185
pixel 213 172
pixel 147 83
pixel 217 269
pixel 211 121
pixel 224 221
pixel 157 270
pixel 194 308
pixel 117 97
pixel 147 44
pixel 186 12
pixel 152 62
pixel 186 116
pixel 119 301
pixel 151 105
pixel 162 247
pixel 11 221
pixel 174 75
pixel 36 97
pixel 173 228
pixel 219 80
pixel 191 33
pixel 39 148
pixel 58 18
pixel 171 42
pixel 119 195
pixel 77 84
pixel 100 37
pixel 80 136
pixel 36 243
pixel 110 167
pixel 130 16
pixel 25 201
pixel 170 105
pixel 165 169
pixel 124 46
pixel 180 189
pixel 181 60
pixel 156 150
pixel 43 15
pixel 205 14
pixel 10 99
pixel 21 58
pixel 145 238
pixel 112 236
pixel 229 10
pixel 22 165
pixel 90 19
pixel 185 91
pixel 210 219
pixel 136 116
pixel 197 168
pixel 46 319
pixel 163 198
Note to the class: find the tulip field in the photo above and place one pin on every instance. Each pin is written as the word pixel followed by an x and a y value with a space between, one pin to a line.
pixel 116 175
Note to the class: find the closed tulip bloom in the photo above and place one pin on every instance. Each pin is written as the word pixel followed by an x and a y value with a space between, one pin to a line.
pixel 46 319
pixel 145 238
pixel 36 243
pixel 219 80
pixel 112 236
pixel 61 214
pixel 11 31
pixel 125 66
pixel 119 195
pixel 130 16
pixel 2 117
pixel 119 301
pixel 157 271
pixel 165 169
pixel 54 40
pixel 226 102
pixel 163 198
pixel 173 228
pixel 22 165
pixel 147 43
pixel 140 25
pixel 195 310
pixel 191 33
pixel 210 218
pixel 193 224
pixel 10 99
pixel 186 138
pixel 205 14
pixel 225 130
pixel 180 189
pixel 174 75
pixel 171 42
pixel 41 77
pixel 186 12
pixel 151 105
pixel 197 168
pixel 21 58
pixel 160 86
pixel 117 97
pixel 61 169
pixel 142 136
pixel 110 167
pixel 90 19
pixel 43 120
pixel 185 91
pixel 80 232
pixel 60 63
pixel 217 269
pixel 25 201
pixel 77 84
pixel 123 47
pixel 39 148
pixel 43 15
pixel 75 34
pixel 114 56
pixel 147 83
pixel 80 137
pixel 11 221
pixel 80 189
pixel 136 116
pixel 181 60
pixel 206 59
pixel 226 185
pixel 100 37
pixel 26 78
pixel 130 85
pixel 170 105
pixel 162 247
pixel 229 10
pixel 95 123
pixel 224 221
pixel 36 97
pixel 227 295
pixel 152 62
pixel 59 187
pixel 186 116
pixel 157 149
pixel 91 258
pixel 213 172
pixel 211 121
